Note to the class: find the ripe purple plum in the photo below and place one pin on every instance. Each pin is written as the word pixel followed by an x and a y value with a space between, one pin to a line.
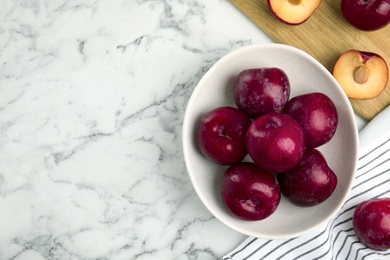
pixel 309 183
pixel 275 142
pixel 366 15
pixel 258 91
pixel 316 114
pixel 249 193
pixel 221 135
pixel 371 222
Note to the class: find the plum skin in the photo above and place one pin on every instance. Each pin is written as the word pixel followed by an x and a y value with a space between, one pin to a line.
pixel 249 193
pixel 309 183
pixel 371 222
pixel 316 114
pixel 258 91
pixel 221 135
pixel 275 142
pixel 366 15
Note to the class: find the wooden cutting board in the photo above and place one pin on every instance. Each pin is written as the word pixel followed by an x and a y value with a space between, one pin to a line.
pixel 325 36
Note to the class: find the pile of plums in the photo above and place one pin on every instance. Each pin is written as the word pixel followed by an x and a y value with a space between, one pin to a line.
pixel 280 134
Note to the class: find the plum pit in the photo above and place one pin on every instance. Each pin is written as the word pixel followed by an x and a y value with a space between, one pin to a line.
pixel 360 75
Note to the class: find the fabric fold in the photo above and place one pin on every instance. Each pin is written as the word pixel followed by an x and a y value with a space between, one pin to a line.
pixel 336 239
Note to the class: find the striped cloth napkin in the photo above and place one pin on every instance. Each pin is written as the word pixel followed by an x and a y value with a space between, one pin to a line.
pixel 336 239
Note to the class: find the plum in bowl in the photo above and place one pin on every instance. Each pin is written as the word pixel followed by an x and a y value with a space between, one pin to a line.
pixel 306 75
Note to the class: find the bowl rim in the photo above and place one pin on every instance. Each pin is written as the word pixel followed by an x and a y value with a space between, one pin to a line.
pixel 186 135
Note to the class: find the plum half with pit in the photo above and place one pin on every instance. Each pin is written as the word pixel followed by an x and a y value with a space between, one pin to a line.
pixel 371 222
pixel 361 74
pixel 221 135
pixel 316 114
pixel 293 12
pixel 250 193
pixel 309 183
pixel 258 91
pixel 275 142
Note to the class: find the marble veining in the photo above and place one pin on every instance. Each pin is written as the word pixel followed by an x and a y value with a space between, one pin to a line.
pixel 92 98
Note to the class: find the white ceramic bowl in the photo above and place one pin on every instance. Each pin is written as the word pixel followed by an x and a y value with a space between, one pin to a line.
pixel 306 75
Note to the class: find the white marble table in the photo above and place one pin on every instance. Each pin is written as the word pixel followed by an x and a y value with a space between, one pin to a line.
pixel 92 98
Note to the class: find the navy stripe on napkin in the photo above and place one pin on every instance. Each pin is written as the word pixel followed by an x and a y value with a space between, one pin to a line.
pixel 336 239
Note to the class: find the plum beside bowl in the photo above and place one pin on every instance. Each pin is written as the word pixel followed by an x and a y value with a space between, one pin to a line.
pixel 306 75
